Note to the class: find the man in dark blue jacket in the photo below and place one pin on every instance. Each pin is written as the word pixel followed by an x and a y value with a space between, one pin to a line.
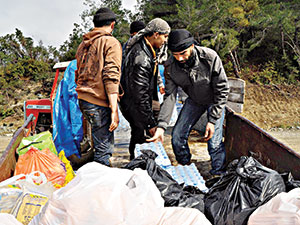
pixel 200 73
pixel 135 27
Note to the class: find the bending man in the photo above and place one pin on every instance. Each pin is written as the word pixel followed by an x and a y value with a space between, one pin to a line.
pixel 200 73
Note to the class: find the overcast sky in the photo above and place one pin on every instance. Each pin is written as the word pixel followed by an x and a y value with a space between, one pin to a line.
pixel 48 20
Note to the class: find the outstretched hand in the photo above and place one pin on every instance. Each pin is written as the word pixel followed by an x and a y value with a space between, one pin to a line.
pixel 158 136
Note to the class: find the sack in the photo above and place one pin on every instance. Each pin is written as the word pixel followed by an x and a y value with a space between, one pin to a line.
pixel 70 174
pixel 173 193
pixel 245 186
pixel 40 141
pixel 103 195
pixel 44 161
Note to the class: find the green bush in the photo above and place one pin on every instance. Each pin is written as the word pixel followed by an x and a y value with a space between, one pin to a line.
pixel 265 74
pixel 6 112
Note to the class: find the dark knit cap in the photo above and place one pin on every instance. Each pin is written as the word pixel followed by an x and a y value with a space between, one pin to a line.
pixel 104 14
pixel 180 40
pixel 136 26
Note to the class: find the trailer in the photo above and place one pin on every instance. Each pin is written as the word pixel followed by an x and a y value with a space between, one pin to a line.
pixel 242 138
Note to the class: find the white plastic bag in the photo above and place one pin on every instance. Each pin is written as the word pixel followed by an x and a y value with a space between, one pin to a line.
pixel 8 219
pixel 13 188
pixel 35 182
pixel 183 216
pixel 12 180
pixel 22 197
pixel 103 195
pixel 284 208
pixel 8 198
pixel 35 177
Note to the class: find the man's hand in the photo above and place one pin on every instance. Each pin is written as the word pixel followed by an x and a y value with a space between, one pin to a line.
pixel 152 131
pixel 158 136
pixel 162 90
pixel 114 120
pixel 209 131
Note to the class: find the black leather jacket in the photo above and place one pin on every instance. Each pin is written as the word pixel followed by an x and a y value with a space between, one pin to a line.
pixel 140 85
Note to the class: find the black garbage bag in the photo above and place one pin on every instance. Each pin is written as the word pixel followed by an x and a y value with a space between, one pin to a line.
pixel 290 182
pixel 173 193
pixel 245 186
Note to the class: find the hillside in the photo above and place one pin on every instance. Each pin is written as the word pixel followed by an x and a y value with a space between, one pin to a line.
pixel 268 106
pixel 12 105
pixel 273 106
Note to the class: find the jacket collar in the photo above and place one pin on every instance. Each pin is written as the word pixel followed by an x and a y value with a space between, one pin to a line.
pixel 151 47
pixel 151 50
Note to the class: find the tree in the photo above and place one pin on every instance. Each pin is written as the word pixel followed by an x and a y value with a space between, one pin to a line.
pixel 121 31
pixel 244 31
pixel 218 24
pixel 275 29
pixel 165 9
pixel 69 47
pixel 16 46
pixel 21 60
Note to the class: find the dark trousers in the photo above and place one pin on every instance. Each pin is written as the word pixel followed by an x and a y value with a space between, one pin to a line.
pixel 138 132
pixel 189 115
pixel 100 119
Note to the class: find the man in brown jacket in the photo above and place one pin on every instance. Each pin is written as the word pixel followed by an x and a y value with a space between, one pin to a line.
pixel 98 74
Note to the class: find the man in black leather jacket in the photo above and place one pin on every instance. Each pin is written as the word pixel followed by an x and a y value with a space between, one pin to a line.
pixel 139 80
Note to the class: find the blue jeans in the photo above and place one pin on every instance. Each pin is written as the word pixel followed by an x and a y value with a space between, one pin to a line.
pixel 188 117
pixel 100 119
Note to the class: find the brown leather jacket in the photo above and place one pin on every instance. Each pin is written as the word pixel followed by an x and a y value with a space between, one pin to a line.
pixel 98 71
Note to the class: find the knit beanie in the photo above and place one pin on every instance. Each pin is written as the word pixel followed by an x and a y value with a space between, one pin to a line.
pixel 104 14
pixel 136 26
pixel 180 40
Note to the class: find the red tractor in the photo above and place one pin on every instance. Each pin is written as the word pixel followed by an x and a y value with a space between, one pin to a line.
pixel 42 109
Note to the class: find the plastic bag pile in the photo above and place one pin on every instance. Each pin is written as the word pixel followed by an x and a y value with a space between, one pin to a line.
pixel 39 171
